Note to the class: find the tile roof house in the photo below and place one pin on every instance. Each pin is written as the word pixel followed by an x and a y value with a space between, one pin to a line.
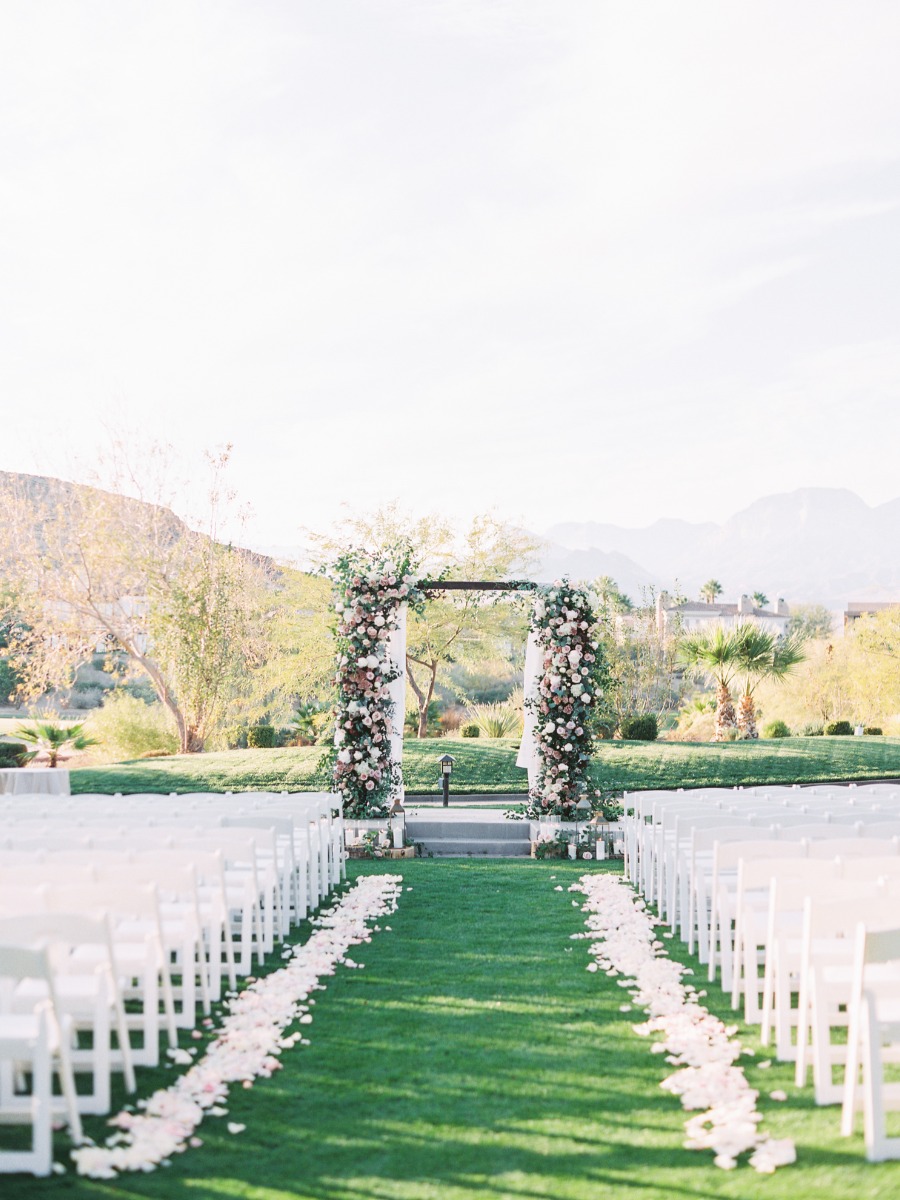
pixel 866 608
pixel 692 615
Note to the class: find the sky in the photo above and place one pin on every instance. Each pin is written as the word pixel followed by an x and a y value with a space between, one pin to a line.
pixel 566 260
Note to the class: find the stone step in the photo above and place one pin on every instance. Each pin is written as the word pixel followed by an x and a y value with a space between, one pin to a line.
pixel 497 831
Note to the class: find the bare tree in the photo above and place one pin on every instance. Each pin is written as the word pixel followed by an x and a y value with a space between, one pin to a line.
pixel 101 568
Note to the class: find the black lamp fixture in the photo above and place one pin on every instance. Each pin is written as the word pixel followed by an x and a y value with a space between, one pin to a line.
pixel 446 771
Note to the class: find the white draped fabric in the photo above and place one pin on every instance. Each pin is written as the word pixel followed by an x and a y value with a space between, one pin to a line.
pixel 19 781
pixel 528 752
pixel 397 658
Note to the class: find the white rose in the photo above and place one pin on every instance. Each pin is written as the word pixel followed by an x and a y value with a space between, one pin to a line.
pixel 344 756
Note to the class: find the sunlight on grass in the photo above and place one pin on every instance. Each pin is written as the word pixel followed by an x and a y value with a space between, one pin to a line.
pixel 504 1071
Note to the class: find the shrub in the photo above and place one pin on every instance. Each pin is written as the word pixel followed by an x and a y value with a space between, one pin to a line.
pixel 85 698
pixel 495 720
pixel 639 729
pixel 811 731
pixel 469 730
pixel 776 729
pixel 14 754
pixel 235 737
pixel 126 727
pixel 839 729
pixel 873 731
pixel 261 737
pixel 9 680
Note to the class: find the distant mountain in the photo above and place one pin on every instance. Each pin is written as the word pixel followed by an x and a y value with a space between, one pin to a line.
pixel 42 497
pixel 822 545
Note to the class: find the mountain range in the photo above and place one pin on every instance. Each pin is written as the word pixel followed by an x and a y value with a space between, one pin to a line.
pixel 813 545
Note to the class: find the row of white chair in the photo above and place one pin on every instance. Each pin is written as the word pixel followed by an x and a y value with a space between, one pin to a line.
pixel 121 918
pixel 796 911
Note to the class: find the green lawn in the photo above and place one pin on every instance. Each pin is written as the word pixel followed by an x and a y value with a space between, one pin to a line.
pixel 489 766
pixel 475 1057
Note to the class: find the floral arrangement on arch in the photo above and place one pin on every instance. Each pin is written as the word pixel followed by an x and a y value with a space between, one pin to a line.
pixel 369 590
pixel 569 688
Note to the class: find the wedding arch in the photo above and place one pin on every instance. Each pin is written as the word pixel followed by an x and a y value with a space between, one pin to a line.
pixel 564 677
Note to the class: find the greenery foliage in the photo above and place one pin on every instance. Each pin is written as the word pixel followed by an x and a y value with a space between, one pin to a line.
pixel 15 754
pixel 714 654
pixel 569 692
pixel 776 729
pixel 810 621
pixel 642 659
pixel 710 591
pixel 495 720
pixel 52 738
pixel 838 729
pixel 452 632
pixel 761 655
pixel 640 729
pixel 369 592
pixel 126 727
pixel 261 737
pixel 469 729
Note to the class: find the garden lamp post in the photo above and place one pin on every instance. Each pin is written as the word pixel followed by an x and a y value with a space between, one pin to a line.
pixel 397 818
pixel 446 772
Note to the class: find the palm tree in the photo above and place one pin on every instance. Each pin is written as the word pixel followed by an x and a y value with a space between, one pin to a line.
pixel 761 656
pixel 714 654
pixel 710 590
pixel 49 736
pixel 761 599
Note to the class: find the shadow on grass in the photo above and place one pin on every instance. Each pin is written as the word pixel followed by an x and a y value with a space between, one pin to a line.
pixel 474 1056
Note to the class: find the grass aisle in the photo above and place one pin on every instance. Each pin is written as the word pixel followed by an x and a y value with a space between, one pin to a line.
pixel 474 1056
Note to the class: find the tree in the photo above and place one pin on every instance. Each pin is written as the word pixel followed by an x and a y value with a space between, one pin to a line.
pixel 761 655
pixel 49 735
pixel 879 633
pixel 714 654
pixel 642 661
pixel 610 598
pixel 761 599
pixel 810 621
pixel 102 568
pixel 455 627
pixel 710 590
pixel 12 630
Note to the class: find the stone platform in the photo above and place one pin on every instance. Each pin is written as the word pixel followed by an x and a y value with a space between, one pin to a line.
pixel 468 832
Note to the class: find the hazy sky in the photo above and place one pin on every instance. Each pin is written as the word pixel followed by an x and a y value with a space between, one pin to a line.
pixel 568 259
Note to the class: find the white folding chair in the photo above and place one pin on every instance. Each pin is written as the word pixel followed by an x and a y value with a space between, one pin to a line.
pixel 38 1040
pixel 831 918
pixel 751 925
pixel 87 992
pixel 873 1039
